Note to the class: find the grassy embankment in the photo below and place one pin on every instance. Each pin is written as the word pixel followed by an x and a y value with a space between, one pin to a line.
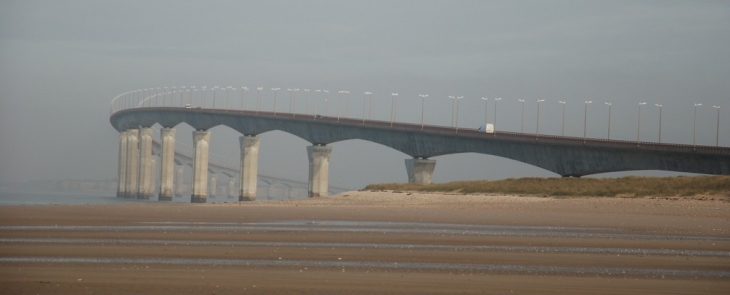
pixel 573 187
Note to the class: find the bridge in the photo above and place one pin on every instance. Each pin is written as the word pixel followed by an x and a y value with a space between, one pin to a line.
pixel 133 114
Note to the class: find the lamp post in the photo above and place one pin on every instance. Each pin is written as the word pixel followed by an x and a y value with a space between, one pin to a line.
pixel 717 130
pixel 203 90
pixel 258 99
pixel 225 103
pixel 453 102
pixel 585 119
pixel 458 98
pixel 370 105
pixel 326 102
pixel 638 128
pixel 694 123
pixel 190 98
pixel 423 106
pixel 339 98
pixel 244 88
pixel 496 100
pixel 392 107
pixel 292 100
pixel 537 124
pixel 182 92
pixel 609 119
pixel 562 129
pixel 347 104
pixel 316 93
pixel 215 89
pixel 486 102
pixel 660 121
pixel 364 104
pixel 275 90
pixel 309 97
pixel 522 123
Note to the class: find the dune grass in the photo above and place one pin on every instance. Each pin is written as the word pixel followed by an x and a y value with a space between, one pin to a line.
pixel 630 186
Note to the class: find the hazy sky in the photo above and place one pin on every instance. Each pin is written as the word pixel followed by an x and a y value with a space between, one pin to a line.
pixel 61 62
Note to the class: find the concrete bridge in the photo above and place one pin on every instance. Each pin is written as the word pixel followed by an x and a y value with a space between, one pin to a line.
pixel 564 155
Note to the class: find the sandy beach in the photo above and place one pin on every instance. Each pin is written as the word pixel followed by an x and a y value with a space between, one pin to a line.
pixel 371 242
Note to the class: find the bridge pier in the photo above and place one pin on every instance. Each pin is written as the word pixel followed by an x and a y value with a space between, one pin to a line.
pixel 231 187
pixel 201 142
pixel 131 187
pixel 319 162
pixel 213 185
pixel 122 165
pixel 420 170
pixel 145 164
pixel 167 164
pixel 249 167
pixel 179 183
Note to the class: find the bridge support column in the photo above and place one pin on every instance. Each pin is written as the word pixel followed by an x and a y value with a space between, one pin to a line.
pixel 420 170
pixel 231 187
pixel 145 164
pixel 213 185
pixel 201 142
pixel 249 167
pixel 131 187
pixel 179 183
pixel 319 163
pixel 122 165
pixel 167 165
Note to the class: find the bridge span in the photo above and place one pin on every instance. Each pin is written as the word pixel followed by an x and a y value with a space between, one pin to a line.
pixel 564 155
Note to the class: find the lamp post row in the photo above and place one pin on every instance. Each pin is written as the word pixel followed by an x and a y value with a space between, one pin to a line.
pixel 141 96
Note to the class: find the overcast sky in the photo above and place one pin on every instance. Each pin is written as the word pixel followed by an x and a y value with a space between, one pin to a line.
pixel 61 62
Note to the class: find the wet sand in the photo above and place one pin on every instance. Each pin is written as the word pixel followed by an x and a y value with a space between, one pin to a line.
pixel 371 242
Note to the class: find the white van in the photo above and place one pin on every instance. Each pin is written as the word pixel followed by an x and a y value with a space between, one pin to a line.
pixel 488 129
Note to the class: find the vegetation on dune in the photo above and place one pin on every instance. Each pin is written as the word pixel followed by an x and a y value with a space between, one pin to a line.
pixel 630 186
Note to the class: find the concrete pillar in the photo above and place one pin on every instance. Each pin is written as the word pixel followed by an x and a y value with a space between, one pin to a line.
pixel 213 185
pixel 319 163
pixel 201 142
pixel 122 165
pixel 420 170
pixel 179 183
pixel 231 187
pixel 167 165
pixel 145 164
pixel 153 176
pixel 249 167
pixel 131 187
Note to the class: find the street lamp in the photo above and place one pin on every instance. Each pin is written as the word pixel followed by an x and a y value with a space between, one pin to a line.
pixel 292 99
pixel 316 93
pixel 522 124
pixel 638 129
pixel 609 119
pixel 225 103
pixel 364 104
pixel 496 100
pixel 243 88
pixel 423 104
pixel 660 121
pixel 190 98
pixel 458 98
pixel 392 107
pixel 486 102
pixel 453 102
pixel 717 130
pixel 339 98
pixel 694 123
pixel 326 102
pixel 562 130
pixel 585 119
pixel 203 90
pixel 258 99
pixel 215 89
pixel 275 90
pixel 370 105
pixel 537 124
pixel 182 92
pixel 309 97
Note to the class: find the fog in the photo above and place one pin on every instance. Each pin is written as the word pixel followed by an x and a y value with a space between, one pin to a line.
pixel 61 62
